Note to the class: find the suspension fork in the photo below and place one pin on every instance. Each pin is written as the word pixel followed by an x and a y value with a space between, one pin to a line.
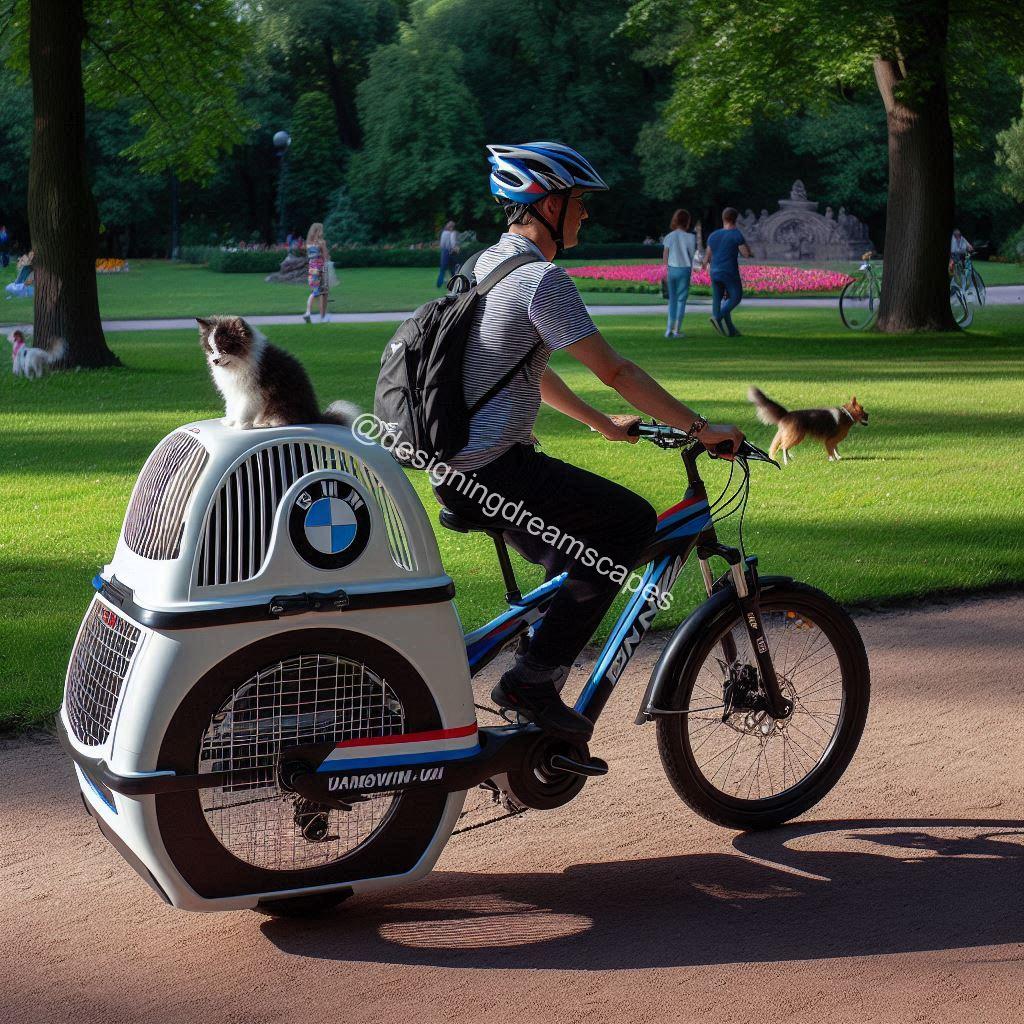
pixel 747 589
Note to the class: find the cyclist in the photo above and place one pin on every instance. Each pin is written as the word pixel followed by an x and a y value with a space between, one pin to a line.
pixel 552 511
pixel 958 248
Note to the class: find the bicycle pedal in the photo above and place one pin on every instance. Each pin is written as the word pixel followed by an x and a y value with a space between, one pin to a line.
pixel 591 769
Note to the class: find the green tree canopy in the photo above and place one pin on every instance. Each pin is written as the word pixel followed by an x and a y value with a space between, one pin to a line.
pixel 423 132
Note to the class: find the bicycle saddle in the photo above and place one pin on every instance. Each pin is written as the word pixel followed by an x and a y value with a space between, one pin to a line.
pixel 463 524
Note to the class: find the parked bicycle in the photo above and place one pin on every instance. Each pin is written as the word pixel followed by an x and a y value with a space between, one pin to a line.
pixel 248 744
pixel 860 298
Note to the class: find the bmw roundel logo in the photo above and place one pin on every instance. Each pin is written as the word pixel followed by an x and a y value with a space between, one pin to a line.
pixel 329 524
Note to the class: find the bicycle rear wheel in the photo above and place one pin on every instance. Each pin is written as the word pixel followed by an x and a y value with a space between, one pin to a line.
pixel 858 303
pixel 737 766
pixel 978 287
pixel 254 836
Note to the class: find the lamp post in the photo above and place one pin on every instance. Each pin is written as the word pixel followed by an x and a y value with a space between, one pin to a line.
pixel 282 140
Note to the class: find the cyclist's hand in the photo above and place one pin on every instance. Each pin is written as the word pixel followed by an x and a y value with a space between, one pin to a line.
pixel 716 433
pixel 617 429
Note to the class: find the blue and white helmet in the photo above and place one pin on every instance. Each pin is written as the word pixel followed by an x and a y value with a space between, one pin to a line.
pixel 525 173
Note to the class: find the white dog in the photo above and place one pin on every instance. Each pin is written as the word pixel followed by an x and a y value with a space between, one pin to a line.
pixel 32 362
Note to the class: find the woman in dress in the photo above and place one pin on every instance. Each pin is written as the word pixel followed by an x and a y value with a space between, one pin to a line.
pixel 319 285
pixel 680 244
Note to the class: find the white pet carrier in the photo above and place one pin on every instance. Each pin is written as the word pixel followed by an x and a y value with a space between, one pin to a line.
pixel 270 587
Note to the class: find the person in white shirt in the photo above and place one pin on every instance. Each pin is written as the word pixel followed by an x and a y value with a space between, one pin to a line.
pixel 680 244
pixel 449 247
pixel 958 248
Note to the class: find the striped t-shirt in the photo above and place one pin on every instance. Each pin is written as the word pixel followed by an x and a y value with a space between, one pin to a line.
pixel 538 302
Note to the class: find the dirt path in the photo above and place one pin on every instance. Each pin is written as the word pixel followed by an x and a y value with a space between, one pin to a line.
pixel 900 898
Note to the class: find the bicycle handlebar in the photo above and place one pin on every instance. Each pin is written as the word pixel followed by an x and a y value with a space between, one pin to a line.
pixel 665 436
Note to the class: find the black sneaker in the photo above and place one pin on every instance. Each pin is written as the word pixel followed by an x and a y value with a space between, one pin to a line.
pixel 541 704
pixel 717 324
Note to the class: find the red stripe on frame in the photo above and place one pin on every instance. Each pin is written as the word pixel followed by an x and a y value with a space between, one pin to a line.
pixel 411 737
pixel 676 508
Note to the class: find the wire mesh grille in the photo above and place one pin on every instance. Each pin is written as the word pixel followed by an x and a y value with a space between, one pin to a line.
pixel 310 698
pixel 156 515
pixel 240 519
pixel 96 674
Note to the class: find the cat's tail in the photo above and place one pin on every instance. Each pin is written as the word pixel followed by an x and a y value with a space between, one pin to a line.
pixel 342 413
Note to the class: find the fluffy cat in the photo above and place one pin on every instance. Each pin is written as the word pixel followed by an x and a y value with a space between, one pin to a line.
pixel 262 385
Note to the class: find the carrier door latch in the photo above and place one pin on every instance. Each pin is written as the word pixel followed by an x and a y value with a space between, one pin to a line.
pixel 298 604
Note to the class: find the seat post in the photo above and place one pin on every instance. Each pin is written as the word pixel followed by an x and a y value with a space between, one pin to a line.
pixel 512 594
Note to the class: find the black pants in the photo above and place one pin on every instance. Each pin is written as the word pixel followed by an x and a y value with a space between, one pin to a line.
pixel 586 510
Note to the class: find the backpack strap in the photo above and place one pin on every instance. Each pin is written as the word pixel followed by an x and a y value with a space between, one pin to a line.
pixel 502 270
pixel 499 273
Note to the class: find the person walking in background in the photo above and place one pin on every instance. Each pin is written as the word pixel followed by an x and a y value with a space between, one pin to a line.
pixel 5 246
pixel 725 246
pixel 679 246
pixel 319 284
pixel 449 248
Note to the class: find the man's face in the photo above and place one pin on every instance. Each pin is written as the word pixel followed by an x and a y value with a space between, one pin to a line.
pixel 575 215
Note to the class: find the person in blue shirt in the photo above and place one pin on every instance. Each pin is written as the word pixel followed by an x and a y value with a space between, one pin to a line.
pixel 725 246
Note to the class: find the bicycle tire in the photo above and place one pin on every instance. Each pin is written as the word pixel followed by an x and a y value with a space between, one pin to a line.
pixel 203 845
pixel 961 309
pixel 675 742
pixel 858 303
pixel 978 285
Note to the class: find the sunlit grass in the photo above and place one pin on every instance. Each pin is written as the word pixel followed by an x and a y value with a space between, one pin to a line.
pixel 929 497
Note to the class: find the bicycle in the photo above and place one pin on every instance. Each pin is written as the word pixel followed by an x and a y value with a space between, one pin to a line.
pixel 283 764
pixel 860 298
pixel 967 277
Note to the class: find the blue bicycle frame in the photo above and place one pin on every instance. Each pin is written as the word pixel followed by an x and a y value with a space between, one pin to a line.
pixel 678 532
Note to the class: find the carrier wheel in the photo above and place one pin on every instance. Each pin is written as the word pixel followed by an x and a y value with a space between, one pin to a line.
pixel 727 758
pixel 303 906
pixel 297 688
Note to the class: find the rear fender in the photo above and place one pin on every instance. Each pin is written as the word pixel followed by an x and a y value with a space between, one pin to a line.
pixel 683 642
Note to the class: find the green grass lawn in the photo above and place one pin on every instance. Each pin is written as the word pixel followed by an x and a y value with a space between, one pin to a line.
pixel 928 497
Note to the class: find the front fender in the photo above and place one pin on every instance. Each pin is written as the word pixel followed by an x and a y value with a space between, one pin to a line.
pixel 682 642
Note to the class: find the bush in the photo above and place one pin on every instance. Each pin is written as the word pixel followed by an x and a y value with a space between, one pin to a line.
pixel 615 251
pixel 245 261
pixel 196 253
pixel 1013 247
pixel 343 225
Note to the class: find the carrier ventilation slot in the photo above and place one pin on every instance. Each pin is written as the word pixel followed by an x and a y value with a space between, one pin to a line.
pixel 156 515
pixel 240 520
pixel 99 665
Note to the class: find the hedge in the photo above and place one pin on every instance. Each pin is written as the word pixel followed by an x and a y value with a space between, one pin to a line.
pixel 266 261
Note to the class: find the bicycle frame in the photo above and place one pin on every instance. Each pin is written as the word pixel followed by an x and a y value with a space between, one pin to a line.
pixel 681 528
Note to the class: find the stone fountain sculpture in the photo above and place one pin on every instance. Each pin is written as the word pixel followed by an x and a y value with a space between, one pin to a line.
pixel 796 231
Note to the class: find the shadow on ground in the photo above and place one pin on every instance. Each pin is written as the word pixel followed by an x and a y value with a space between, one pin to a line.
pixel 880 886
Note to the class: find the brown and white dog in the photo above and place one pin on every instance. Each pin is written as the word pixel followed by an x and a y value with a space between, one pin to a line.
pixel 830 426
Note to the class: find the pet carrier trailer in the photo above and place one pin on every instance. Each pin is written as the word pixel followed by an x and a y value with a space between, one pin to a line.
pixel 270 588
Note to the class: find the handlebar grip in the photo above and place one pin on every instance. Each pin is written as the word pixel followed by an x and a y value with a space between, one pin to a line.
pixel 722 448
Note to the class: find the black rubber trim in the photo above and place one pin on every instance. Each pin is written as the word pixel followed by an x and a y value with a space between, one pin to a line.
pixel 118 594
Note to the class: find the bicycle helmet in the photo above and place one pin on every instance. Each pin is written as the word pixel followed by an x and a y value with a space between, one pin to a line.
pixel 522 174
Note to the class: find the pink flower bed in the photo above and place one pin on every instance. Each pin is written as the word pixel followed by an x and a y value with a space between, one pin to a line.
pixel 755 277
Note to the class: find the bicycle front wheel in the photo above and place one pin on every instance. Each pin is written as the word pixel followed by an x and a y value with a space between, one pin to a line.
pixel 734 764
pixel 858 303
pixel 960 307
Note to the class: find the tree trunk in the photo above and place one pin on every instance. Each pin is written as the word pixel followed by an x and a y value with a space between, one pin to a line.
pixel 345 117
pixel 61 209
pixel 919 215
